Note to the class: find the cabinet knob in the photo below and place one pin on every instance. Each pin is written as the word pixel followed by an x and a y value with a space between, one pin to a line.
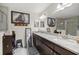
pixel 7 46
pixel 51 51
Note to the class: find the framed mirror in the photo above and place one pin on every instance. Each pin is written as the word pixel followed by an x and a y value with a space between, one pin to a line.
pixel 36 24
pixel 42 24
pixel 20 18
pixel 50 22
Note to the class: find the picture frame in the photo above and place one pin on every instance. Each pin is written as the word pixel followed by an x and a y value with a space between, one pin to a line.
pixel 20 18
pixel 50 22
pixel 3 21
pixel 36 24
pixel 42 24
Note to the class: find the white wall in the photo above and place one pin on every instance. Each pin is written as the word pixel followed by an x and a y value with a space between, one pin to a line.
pixel 1 33
pixel 19 30
pixel 1 49
pixel 48 12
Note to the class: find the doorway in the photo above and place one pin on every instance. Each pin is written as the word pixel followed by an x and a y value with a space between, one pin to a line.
pixel 28 37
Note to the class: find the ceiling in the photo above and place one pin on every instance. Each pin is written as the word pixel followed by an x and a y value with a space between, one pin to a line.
pixel 73 10
pixel 32 7
pixel 46 7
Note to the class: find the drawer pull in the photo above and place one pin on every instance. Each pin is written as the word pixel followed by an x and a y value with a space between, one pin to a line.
pixel 7 46
pixel 51 51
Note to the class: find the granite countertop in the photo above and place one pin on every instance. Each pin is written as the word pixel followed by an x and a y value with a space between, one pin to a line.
pixel 68 44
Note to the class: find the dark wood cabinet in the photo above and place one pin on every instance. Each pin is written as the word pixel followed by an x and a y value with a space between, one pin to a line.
pixel 63 51
pixel 41 46
pixel 46 47
pixel 7 45
pixel 46 50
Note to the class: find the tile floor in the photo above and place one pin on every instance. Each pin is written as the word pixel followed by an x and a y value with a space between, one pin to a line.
pixel 25 51
pixel 20 51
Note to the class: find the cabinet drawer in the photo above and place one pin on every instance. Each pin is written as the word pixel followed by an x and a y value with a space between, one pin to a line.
pixel 48 43
pixel 46 50
pixel 62 51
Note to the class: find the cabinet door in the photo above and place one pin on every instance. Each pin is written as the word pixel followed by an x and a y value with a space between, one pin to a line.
pixel 62 51
pixel 7 46
pixel 34 40
pixel 42 46
pixel 45 50
pixel 48 43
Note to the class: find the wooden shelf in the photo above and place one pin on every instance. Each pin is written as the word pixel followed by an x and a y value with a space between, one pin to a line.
pixel 21 24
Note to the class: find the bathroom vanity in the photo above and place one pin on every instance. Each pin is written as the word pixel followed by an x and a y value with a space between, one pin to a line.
pixel 49 44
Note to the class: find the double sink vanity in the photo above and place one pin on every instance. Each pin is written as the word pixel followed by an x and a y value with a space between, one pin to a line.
pixel 51 44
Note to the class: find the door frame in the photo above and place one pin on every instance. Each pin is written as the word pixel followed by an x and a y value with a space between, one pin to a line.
pixel 26 37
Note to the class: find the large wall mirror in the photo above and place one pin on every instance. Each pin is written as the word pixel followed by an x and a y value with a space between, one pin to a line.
pixel 71 26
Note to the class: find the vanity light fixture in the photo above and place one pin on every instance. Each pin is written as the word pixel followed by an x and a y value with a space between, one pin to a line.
pixel 61 23
pixel 43 16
